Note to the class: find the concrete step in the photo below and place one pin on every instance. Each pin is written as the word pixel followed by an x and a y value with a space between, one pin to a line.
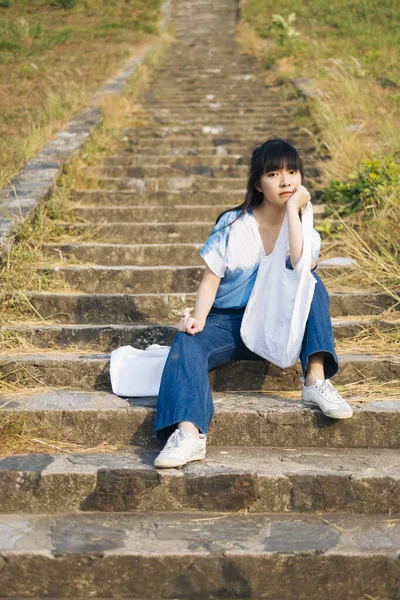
pixel 166 556
pixel 240 419
pixel 193 183
pixel 212 86
pixel 147 232
pixel 243 93
pixel 101 197
pixel 127 160
pixel 231 479
pixel 142 233
pixel 107 338
pixel 92 279
pixel 216 120
pixel 65 307
pixel 241 132
pixel 86 372
pixel 212 103
pixel 167 97
pixel 150 214
pixel 217 109
pixel 219 146
pixel 223 72
pixel 127 254
pixel 170 214
pixel 161 171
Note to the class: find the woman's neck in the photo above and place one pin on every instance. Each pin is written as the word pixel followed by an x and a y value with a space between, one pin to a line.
pixel 270 214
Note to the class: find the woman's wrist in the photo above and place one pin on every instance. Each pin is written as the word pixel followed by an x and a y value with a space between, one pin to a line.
pixel 200 317
pixel 291 206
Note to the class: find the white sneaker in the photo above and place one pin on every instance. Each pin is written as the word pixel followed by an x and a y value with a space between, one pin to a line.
pixel 327 398
pixel 181 448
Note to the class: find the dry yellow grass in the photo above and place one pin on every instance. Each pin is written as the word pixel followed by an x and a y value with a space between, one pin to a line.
pixel 53 59
pixel 18 273
pixel 16 437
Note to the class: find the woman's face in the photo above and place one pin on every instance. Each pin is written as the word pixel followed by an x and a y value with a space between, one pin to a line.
pixel 278 186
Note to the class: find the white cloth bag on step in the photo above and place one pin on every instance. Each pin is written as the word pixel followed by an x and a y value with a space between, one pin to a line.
pixel 135 372
pixel 275 318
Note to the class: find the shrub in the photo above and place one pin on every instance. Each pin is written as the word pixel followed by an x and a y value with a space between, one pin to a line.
pixel 365 189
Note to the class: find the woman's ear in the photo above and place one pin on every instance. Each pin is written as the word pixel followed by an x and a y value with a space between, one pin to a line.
pixel 258 187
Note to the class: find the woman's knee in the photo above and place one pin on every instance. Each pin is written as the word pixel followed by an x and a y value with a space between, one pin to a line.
pixel 185 344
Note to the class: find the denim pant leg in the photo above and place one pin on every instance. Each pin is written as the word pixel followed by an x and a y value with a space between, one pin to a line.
pixel 185 393
pixel 318 336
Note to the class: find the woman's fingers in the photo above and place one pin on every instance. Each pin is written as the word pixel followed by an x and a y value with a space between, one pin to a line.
pixel 189 324
pixel 182 324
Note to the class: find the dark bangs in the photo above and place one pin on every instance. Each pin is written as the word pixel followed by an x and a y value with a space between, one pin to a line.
pixel 276 154
pixel 272 155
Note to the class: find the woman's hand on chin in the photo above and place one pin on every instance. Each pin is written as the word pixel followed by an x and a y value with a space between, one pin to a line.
pixel 299 198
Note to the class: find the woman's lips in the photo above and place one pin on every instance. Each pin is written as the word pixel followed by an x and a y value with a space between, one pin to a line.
pixel 284 193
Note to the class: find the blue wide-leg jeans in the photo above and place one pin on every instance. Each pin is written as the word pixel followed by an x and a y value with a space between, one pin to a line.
pixel 185 393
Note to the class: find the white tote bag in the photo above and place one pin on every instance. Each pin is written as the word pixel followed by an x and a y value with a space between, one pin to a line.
pixel 135 372
pixel 275 318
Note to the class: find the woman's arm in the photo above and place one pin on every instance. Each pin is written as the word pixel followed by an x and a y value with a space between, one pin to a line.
pixel 204 301
pixel 293 205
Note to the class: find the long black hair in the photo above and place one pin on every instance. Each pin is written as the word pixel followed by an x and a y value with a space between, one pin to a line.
pixel 271 155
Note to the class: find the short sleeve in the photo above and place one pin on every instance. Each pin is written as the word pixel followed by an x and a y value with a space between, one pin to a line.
pixel 215 249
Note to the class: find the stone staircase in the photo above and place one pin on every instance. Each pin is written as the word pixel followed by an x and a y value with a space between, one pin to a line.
pixel 288 504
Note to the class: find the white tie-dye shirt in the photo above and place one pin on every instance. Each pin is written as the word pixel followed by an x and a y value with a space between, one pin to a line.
pixel 233 254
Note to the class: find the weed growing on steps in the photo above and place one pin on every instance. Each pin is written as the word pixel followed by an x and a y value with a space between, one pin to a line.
pixel 17 436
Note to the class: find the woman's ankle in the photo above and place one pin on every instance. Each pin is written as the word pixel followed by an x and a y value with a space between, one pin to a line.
pixel 315 369
pixel 189 428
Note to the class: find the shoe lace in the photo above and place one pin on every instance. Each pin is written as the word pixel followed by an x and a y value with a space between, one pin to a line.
pixel 174 440
pixel 330 391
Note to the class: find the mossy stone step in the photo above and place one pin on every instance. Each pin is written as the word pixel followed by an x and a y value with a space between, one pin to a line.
pixel 167 556
pixel 67 307
pixel 91 372
pixel 256 480
pixel 246 419
pixel 194 183
pixel 109 198
pixel 92 279
pixel 107 338
pixel 149 214
pixel 241 131
pixel 169 214
pixel 142 159
pixel 218 146
pixel 127 254
pixel 163 171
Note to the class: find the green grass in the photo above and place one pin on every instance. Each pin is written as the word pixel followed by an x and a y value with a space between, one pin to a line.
pixel 53 54
pixel 366 31
pixel 350 50
pixel 28 29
